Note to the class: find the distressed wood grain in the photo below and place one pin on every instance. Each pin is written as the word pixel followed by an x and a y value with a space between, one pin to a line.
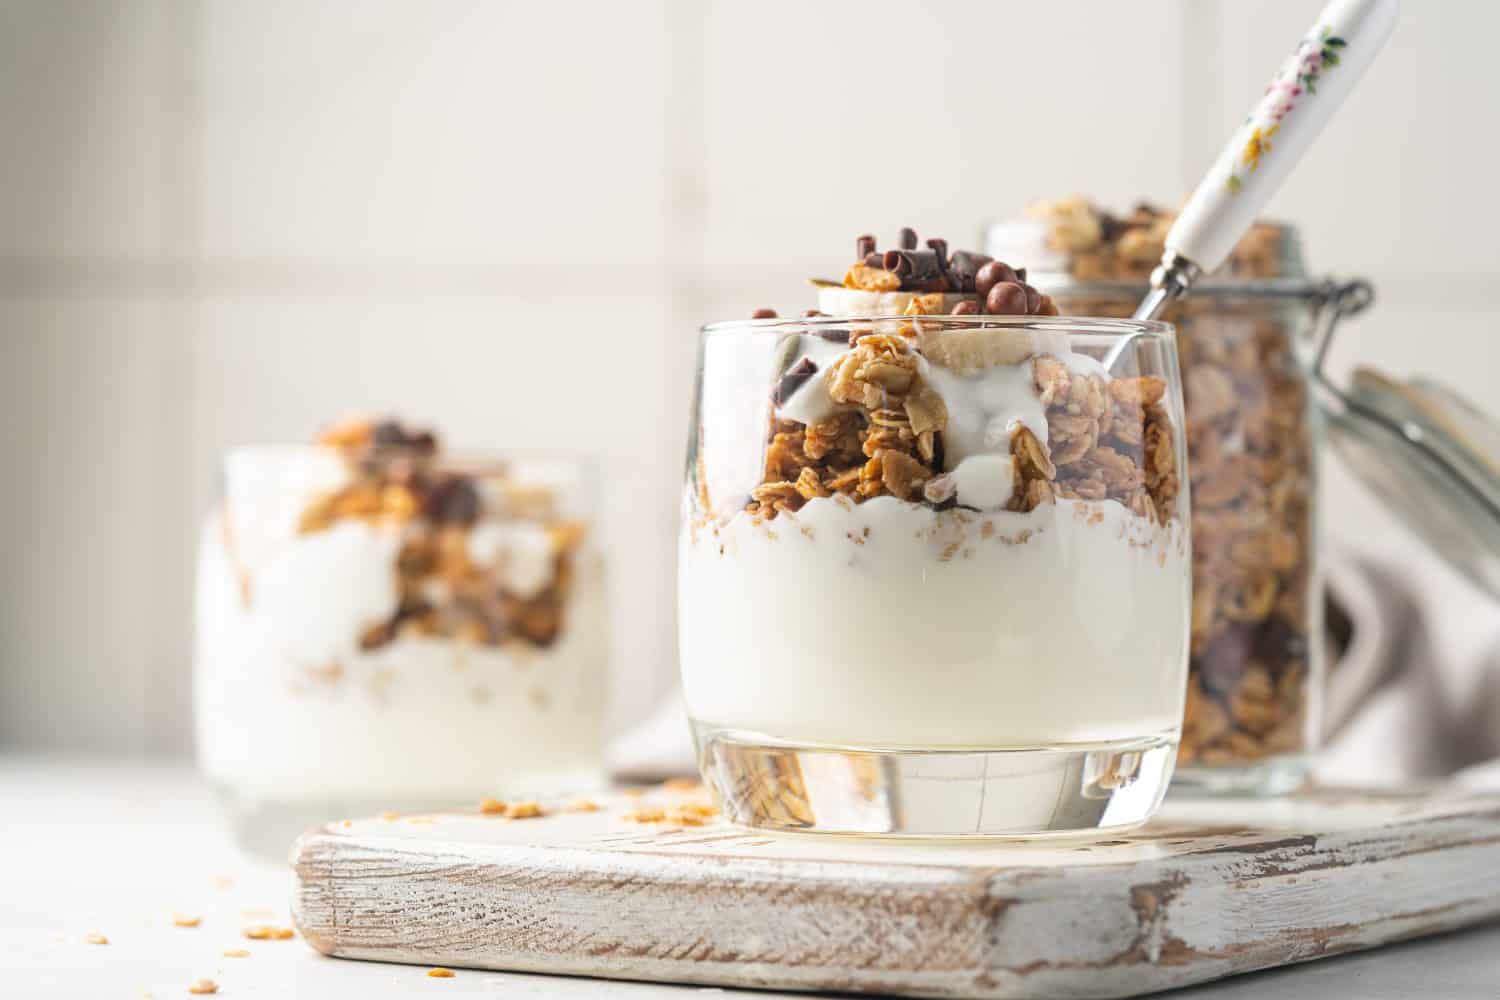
pixel 1208 889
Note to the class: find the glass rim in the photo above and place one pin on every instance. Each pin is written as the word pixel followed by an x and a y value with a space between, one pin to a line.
pixel 1088 325
pixel 444 457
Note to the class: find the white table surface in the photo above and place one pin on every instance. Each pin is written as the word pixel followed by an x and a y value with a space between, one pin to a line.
pixel 117 847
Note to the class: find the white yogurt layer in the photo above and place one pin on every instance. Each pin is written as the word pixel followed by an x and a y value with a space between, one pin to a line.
pixel 290 709
pixel 888 624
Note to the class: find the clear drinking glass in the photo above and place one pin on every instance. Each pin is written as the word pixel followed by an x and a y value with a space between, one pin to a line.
pixel 384 627
pixel 934 574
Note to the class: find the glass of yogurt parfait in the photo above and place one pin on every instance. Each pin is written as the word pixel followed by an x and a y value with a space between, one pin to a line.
pixel 934 570
pixel 383 627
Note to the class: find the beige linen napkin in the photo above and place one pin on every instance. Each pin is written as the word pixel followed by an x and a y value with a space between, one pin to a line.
pixel 1415 694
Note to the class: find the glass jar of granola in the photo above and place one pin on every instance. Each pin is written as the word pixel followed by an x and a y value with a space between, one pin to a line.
pixel 382 626
pixel 933 568
pixel 1252 436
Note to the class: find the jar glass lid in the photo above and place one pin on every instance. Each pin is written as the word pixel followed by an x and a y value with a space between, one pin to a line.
pixel 1433 458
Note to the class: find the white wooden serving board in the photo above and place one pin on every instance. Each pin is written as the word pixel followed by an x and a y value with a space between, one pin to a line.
pixel 1208 889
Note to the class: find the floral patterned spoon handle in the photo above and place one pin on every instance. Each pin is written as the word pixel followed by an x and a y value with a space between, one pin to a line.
pixel 1303 95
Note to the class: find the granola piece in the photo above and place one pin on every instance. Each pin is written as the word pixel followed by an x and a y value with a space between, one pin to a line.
pixel 1209 393
pixel 902 475
pixel 203 987
pixel 871 279
pixel 834 438
pixel 1070 436
pixel 1032 460
pixel 785 456
pixel 809 486
pixel 1073 224
pixel 779 495
pixel 875 373
pixel 349 434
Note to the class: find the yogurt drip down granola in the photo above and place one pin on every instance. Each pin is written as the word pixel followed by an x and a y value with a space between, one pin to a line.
pixel 378 621
pixel 914 525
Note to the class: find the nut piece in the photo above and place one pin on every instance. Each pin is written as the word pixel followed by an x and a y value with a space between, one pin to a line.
pixel 269 932
pixel 203 987
pixel 530 809
pixel 440 973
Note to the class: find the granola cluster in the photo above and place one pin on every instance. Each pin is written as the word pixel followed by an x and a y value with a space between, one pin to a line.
pixel 1102 246
pixel 447 589
pixel 1107 438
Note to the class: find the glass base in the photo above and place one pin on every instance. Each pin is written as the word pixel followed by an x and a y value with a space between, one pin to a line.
pixel 267 827
pixel 1019 792
pixel 1272 776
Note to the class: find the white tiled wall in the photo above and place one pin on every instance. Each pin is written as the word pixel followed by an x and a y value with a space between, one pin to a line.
pixel 225 221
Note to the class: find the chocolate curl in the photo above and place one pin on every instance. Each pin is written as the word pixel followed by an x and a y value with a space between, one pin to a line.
pixel 875 259
pixel 940 247
pixel 864 246
pixel 915 268
pixel 908 238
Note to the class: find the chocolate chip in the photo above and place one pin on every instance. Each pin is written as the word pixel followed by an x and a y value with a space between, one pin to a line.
pixel 1223 660
pixel 1277 643
pixel 388 434
pixel 968 307
pixel 763 313
pixel 793 380
pixel 864 246
pixel 990 275
pixel 453 500
pixel 1006 299
pixel 908 239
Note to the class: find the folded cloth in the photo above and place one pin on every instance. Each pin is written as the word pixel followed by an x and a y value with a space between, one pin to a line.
pixel 1413 689
pixel 1415 693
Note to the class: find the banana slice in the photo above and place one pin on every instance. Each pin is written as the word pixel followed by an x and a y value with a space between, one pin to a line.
pixel 836 300
pixel 972 350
